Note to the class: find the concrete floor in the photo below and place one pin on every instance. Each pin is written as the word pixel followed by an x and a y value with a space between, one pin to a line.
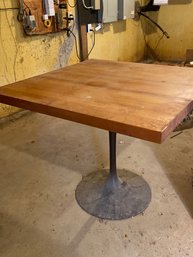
pixel 42 159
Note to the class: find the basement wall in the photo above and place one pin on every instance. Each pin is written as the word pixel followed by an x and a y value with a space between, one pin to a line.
pixel 23 56
pixel 178 22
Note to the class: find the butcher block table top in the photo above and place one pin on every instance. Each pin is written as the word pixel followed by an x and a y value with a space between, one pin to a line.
pixel 140 100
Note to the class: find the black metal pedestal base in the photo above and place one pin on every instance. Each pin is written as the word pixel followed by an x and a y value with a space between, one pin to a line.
pixel 96 195
pixel 104 195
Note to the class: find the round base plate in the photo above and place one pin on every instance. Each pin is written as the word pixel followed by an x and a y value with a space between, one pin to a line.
pixel 128 199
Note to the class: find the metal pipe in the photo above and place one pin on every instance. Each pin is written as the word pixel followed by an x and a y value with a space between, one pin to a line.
pixel 112 152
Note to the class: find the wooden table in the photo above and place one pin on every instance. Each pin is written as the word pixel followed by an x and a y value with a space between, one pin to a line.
pixel 140 100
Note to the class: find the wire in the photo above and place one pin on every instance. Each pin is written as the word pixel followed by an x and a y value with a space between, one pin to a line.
pixel 179 133
pixel 93 45
pixel 85 6
pixel 16 47
pixel 76 44
pixel 26 5
pixel 72 6
pixel 159 40
pixel 20 14
pixel 9 8
pixel 157 25
pixel 43 7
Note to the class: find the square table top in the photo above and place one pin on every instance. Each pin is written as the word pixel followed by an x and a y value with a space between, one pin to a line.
pixel 145 101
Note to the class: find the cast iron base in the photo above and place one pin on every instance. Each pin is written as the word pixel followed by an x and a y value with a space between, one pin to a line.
pixel 106 196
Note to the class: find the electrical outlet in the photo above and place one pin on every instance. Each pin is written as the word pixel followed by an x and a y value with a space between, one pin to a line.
pixel 89 28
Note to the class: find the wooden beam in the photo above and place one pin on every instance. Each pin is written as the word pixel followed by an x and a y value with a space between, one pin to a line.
pixel 83 43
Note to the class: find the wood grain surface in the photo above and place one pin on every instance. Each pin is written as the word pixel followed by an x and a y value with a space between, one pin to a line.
pixel 140 100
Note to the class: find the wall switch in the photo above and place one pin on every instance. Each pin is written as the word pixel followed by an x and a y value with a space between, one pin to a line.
pixel 96 4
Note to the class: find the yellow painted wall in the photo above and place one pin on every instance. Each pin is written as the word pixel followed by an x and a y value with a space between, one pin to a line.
pixel 177 20
pixel 122 41
pixel 23 57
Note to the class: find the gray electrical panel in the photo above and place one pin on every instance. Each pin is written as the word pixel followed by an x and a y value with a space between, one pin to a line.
pixel 126 9
pixel 110 10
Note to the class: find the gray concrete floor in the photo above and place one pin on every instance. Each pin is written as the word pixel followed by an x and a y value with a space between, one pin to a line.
pixel 42 159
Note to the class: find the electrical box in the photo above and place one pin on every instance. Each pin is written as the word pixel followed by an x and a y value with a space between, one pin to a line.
pixel 126 9
pixel 87 16
pixel 45 16
pixel 110 10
